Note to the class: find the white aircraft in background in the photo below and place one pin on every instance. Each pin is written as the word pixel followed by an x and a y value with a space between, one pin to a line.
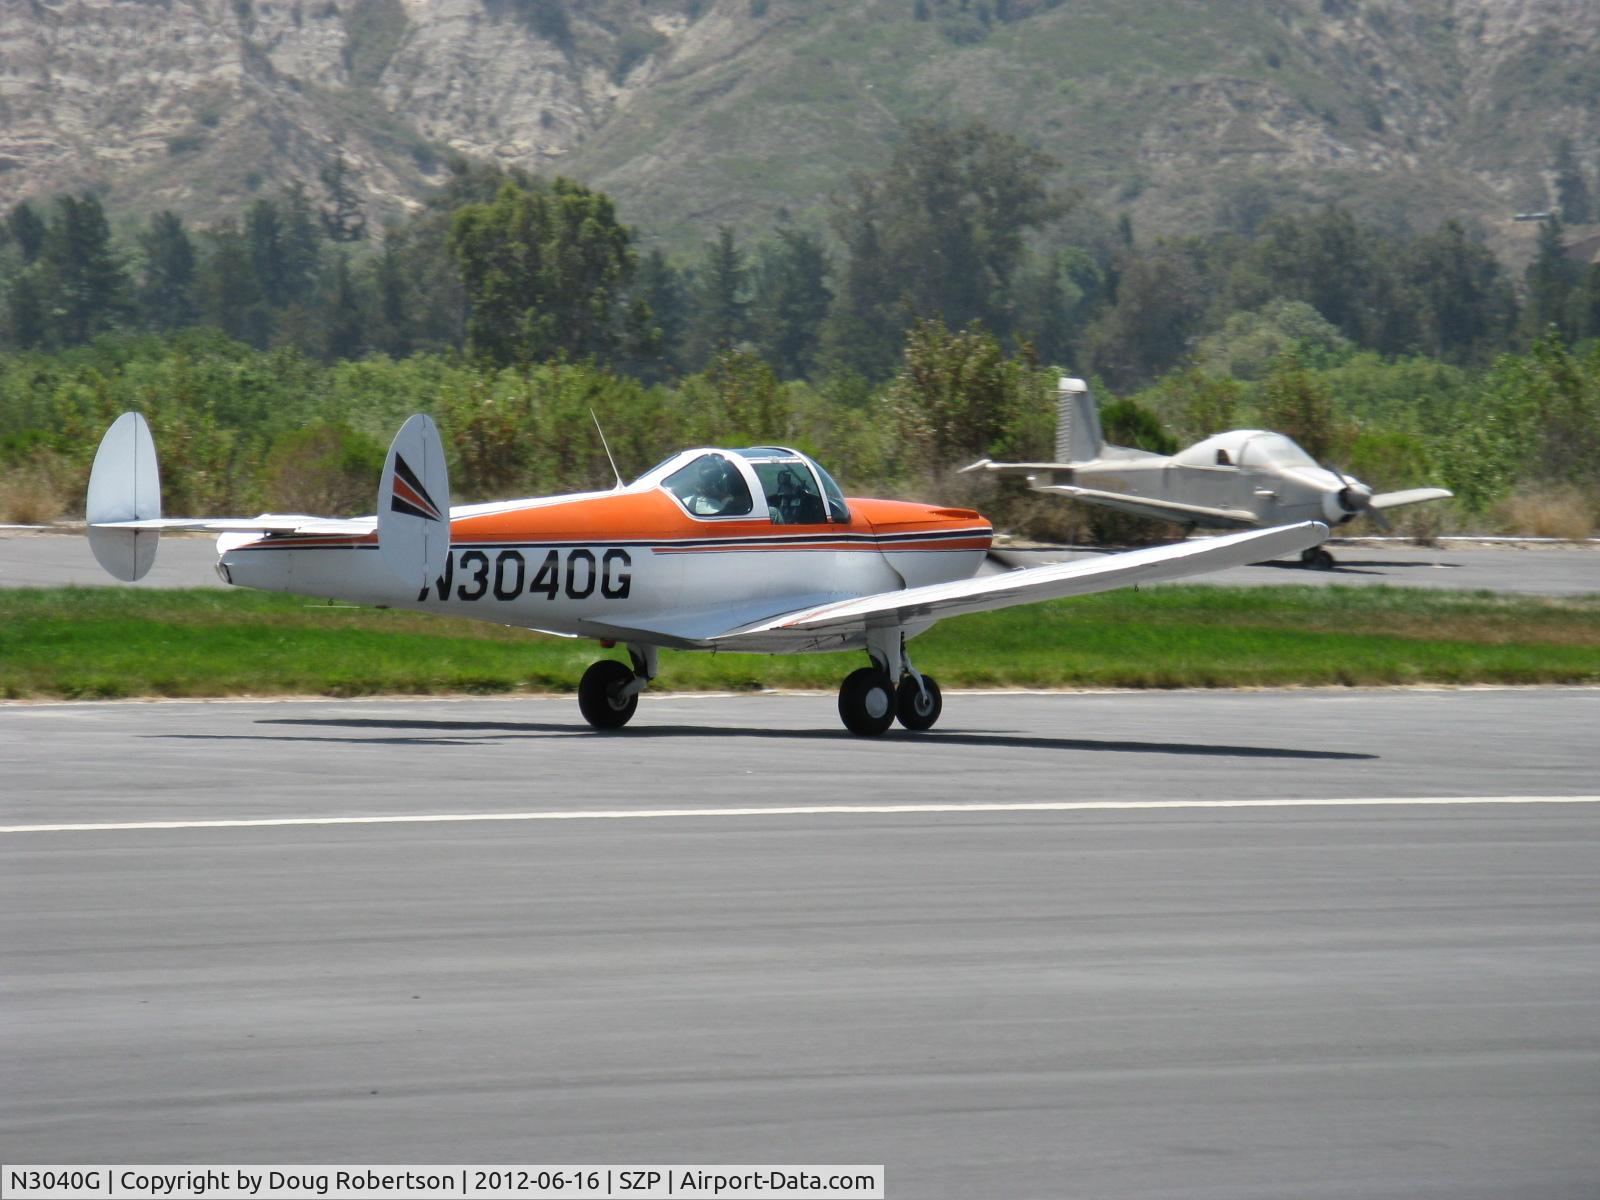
pixel 1242 479
pixel 754 549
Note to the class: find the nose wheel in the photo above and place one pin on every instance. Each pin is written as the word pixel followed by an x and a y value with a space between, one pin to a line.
pixel 603 697
pixel 608 693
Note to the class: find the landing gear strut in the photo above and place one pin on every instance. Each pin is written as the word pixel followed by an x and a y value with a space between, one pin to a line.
pixel 869 700
pixel 1317 559
pixel 608 693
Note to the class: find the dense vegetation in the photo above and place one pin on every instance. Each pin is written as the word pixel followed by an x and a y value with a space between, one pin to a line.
pixel 923 328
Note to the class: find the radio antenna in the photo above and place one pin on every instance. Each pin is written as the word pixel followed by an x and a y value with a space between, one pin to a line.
pixel 607 447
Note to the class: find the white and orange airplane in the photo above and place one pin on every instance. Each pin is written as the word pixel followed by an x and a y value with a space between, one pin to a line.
pixel 750 550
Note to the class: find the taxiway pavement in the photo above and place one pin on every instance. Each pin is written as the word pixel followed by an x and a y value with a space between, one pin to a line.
pixel 1300 999
pixel 55 560
pixel 1545 570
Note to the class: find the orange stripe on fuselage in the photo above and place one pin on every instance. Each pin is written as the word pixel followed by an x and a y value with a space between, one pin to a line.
pixel 656 517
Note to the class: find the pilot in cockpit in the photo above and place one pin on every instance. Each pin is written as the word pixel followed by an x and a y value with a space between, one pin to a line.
pixel 716 488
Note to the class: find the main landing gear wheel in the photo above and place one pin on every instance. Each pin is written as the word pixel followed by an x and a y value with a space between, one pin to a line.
pixel 867 702
pixel 1317 559
pixel 918 711
pixel 601 698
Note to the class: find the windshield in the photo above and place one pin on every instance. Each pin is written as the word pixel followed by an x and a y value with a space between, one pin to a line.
pixel 790 481
pixel 1274 450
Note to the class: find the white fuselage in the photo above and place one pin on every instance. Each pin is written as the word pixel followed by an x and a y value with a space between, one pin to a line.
pixel 676 581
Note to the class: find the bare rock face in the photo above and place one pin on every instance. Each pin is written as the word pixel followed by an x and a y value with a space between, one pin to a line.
pixel 698 111
pixel 196 104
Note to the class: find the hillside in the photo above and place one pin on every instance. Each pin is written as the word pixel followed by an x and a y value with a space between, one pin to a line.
pixel 692 112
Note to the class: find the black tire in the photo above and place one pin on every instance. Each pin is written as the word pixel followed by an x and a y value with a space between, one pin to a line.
pixel 598 691
pixel 1317 559
pixel 866 702
pixel 916 711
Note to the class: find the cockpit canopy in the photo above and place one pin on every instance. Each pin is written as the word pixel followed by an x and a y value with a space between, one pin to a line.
pixel 1245 448
pixel 775 482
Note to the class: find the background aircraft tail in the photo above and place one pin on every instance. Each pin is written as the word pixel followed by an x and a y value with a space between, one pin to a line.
pixel 124 485
pixel 1078 436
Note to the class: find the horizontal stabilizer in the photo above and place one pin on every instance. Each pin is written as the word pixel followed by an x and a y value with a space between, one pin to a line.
pixel 1412 496
pixel 983 593
pixel 265 523
pixel 124 486
pixel 1021 468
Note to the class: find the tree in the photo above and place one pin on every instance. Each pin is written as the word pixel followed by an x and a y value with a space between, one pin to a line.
pixel 1467 304
pixel 1197 404
pixel 1129 423
pixel 1551 279
pixel 230 296
pixel 1328 261
pixel 1249 343
pixel 167 281
pixel 939 233
pixel 263 230
pixel 1586 315
pixel 659 287
pixel 1573 199
pixel 791 298
pixel 719 300
pixel 343 217
pixel 545 269
pixel 1297 405
pixel 958 397
pixel 85 283
pixel 392 299
pixel 862 332
pixel 346 324
pixel 25 311
pixel 1161 298
pixel 301 242
pixel 27 229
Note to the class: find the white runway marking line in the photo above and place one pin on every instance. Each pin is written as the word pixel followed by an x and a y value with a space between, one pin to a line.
pixel 820 810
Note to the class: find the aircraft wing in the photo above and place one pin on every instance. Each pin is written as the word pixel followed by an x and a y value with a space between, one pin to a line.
pixel 1025 586
pixel 1385 500
pixel 265 523
pixel 1144 506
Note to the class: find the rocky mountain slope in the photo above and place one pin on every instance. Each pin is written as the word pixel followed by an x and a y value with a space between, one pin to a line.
pixel 1187 113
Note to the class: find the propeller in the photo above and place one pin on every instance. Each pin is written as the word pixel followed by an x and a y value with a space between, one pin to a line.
pixel 1356 499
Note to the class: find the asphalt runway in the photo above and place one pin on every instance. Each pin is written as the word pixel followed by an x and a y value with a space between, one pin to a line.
pixel 53 560
pixel 1292 998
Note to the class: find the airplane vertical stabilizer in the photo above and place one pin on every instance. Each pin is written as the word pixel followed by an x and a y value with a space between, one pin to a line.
pixel 414 504
pixel 1078 436
pixel 124 485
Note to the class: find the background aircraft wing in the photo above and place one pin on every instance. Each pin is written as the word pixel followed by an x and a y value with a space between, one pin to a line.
pixel 1144 506
pixel 1030 584
pixel 1412 496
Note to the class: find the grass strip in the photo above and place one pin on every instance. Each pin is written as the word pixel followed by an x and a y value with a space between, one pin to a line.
pixel 112 642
